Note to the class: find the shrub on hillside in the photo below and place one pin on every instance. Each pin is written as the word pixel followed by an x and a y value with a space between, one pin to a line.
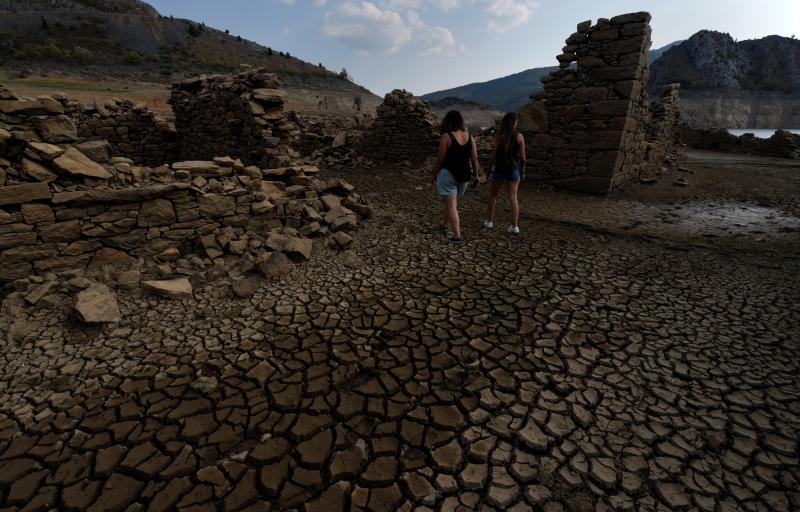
pixel 132 57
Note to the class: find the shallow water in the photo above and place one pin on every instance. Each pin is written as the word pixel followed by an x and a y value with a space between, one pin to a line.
pixel 761 133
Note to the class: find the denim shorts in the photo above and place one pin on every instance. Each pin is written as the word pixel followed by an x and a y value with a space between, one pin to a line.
pixel 507 177
pixel 446 184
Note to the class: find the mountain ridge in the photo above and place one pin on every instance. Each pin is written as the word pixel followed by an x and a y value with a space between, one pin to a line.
pixel 510 92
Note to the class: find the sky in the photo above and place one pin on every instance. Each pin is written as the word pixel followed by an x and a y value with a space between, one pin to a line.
pixel 430 45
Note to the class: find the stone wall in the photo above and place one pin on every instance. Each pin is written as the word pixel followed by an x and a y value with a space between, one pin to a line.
pixel 593 112
pixel 782 144
pixel 662 128
pixel 239 115
pixel 132 130
pixel 405 130
pixel 45 230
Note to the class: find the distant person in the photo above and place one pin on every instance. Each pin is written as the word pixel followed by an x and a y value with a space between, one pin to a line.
pixel 508 168
pixel 456 166
pixel 357 103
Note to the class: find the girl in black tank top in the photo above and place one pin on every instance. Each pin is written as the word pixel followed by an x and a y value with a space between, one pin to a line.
pixel 456 163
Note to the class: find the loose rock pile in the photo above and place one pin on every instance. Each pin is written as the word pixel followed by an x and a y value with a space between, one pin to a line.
pixel 593 116
pixel 239 115
pixel 404 130
pixel 333 142
pixel 133 131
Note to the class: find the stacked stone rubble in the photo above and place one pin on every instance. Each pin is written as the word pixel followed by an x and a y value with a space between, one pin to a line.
pixel 594 110
pixel 662 128
pixel 782 144
pixel 36 137
pixel 239 115
pixel 61 210
pixel 404 130
pixel 133 131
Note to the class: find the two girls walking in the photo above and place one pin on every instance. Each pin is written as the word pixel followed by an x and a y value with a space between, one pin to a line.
pixel 457 166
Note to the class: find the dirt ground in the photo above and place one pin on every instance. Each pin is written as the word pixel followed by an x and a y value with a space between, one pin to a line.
pixel 634 352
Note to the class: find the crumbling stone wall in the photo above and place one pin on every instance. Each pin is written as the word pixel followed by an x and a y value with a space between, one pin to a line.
pixel 404 130
pixel 43 229
pixel 132 130
pixel 238 115
pixel 782 144
pixel 662 129
pixel 62 209
pixel 593 115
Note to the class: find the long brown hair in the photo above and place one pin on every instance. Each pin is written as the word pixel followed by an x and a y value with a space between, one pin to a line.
pixel 452 122
pixel 504 141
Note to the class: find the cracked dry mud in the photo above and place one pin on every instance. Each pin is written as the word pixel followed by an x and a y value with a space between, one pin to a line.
pixel 559 370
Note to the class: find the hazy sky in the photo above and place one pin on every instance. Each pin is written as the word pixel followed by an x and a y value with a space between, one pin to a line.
pixel 428 45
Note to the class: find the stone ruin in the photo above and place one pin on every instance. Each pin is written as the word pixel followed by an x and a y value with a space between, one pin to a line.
pixel 405 130
pixel 782 144
pixel 587 131
pixel 131 129
pixel 239 115
pixel 662 127
pixel 72 210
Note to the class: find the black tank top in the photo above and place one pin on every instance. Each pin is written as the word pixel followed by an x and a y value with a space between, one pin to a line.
pixel 457 159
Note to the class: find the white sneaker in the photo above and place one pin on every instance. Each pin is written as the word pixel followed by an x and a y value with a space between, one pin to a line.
pixel 514 230
pixel 488 224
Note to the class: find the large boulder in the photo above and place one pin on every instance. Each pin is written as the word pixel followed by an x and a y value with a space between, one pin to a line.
pixel 97 305
pixel 179 288
pixel 75 163
pixel 57 129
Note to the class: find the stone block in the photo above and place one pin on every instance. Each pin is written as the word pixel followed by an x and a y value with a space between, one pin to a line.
pixel 156 212
pixel 18 194
pixel 69 231
pixel 216 205
pixel 8 240
pixel 34 213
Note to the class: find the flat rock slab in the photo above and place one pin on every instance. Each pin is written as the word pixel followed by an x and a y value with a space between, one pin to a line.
pixel 18 194
pixel 179 288
pixel 75 163
pixel 97 305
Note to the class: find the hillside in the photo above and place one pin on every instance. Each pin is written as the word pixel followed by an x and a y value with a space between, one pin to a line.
pixel 730 84
pixel 510 92
pixel 129 39
pixel 505 94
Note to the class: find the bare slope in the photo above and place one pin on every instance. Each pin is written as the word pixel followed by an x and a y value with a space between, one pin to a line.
pixel 130 39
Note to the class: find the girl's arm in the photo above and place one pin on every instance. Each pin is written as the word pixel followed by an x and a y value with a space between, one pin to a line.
pixel 444 142
pixel 521 141
pixel 476 167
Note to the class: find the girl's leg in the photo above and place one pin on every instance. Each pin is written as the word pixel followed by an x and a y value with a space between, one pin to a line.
pixel 451 205
pixel 513 186
pixel 493 199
